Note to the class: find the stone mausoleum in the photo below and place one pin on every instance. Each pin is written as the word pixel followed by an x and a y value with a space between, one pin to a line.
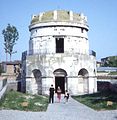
pixel 59 54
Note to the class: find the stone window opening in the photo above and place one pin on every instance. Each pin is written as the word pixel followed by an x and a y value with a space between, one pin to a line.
pixel 59 45
pixel 82 30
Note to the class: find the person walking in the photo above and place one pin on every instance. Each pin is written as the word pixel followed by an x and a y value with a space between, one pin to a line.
pixel 66 96
pixel 59 93
pixel 51 94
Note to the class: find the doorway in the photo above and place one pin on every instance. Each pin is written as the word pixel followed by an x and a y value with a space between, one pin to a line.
pixel 59 45
pixel 60 81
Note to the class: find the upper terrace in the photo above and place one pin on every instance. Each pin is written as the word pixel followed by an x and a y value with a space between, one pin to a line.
pixel 58 15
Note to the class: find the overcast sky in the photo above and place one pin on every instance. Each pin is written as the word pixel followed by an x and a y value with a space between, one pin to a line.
pixel 101 14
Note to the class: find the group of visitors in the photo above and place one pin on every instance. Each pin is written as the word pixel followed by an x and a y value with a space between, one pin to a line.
pixel 51 94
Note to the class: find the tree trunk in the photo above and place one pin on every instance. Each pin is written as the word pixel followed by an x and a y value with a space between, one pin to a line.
pixel 6 56
pixel 10 57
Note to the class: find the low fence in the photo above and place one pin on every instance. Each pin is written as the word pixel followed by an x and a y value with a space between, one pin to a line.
pixel 3 82
pixel 3 86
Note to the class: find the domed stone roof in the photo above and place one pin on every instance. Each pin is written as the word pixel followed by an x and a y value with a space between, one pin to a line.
pixel 58 15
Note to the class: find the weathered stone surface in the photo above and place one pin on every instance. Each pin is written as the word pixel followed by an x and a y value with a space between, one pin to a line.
pixel 59 50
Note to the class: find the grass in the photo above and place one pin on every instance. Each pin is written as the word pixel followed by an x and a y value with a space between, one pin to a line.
pixel 113 73
pixel 109 73
pixel 98 101
pixel 24 102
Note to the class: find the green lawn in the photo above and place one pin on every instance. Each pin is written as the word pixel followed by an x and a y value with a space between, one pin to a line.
pixel 98 101
pixel 19 101
pixel 113 73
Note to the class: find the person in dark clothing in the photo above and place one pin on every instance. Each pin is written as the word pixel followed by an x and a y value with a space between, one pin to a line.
pixel 51 94
pixel 66 96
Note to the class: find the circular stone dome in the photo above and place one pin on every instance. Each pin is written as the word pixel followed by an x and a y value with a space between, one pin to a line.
pixel 58 15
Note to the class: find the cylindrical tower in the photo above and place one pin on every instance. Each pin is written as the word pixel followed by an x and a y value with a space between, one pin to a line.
pixel 59 54
pixel 59 32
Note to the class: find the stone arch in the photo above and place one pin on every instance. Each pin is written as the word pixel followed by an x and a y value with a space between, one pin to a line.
pixel 83 81
pixel 60 79
pixel 38 77
pixel 83 72
pixel 60 72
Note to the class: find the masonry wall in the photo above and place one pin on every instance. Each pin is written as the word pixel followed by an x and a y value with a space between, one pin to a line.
pixel 74 60
pixel 71 63
pixel 75 40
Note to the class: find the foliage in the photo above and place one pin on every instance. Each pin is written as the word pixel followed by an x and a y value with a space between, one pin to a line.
pixel 98 101
pixel 20 101
pixel 11 35
pixel 111 62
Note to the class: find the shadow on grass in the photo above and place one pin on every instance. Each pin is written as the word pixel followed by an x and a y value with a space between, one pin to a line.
pixel 98 101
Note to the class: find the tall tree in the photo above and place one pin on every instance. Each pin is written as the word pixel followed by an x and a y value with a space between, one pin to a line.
pixel 11 35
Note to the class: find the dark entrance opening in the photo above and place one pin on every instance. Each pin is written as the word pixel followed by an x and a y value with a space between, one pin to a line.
pixel 60 81
pixel 59 45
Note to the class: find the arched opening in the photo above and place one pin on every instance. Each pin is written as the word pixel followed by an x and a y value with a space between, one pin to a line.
pixel 83 81
pixel 37 76
pixel 83 72
pixel 60 79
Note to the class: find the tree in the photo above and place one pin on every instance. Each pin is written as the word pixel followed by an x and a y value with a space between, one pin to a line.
pixel 110 61
pixel 11 35
pixel 113 61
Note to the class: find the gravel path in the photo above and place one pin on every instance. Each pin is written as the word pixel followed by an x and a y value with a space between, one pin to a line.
pixel 60 111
